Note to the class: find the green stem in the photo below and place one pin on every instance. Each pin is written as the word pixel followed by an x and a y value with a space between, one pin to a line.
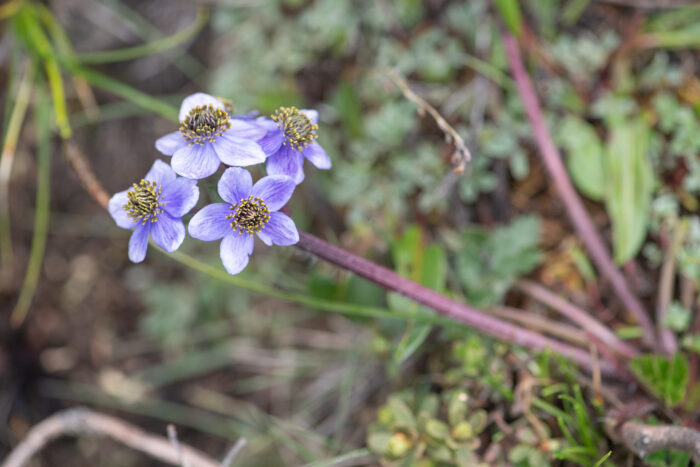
pixel 41 215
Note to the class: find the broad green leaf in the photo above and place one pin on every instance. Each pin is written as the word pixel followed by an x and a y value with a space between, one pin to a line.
pixel 666 379
pixel 427 265
pixel 586 154
pixel 629 182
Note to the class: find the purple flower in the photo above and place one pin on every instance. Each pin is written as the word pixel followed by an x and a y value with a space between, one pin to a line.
pixel 293 139
pixel 154 207
pixel 249 209
pixel 208 136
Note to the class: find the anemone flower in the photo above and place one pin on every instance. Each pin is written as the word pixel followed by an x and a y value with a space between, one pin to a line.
pixel 293 140
pixel 248 210
pixel 154 207
pixel 208 136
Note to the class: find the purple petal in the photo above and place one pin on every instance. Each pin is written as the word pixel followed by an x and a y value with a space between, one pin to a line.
pixel 271 143
pixel 180 196
pixel 198 99
pixel 235 184
pixel 170 143
pixel 118 212
pixel 279 230
pixel 210 222
pixel 138 243
pixel 317 156
pixel 195 161
pixel 311 114
pixel 246 129
pixel 235 249
pixel 161 173
pixel 252 115
pixel 238 152
pixel 275 190
pixel 168 232
pixel 287 162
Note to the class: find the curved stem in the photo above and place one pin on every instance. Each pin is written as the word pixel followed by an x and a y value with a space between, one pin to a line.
pixel 574 207
pixel 457 311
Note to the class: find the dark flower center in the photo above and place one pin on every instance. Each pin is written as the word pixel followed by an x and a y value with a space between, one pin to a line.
pixel 297 127
pixel 143 204
pixel 250 215
pixel 204 124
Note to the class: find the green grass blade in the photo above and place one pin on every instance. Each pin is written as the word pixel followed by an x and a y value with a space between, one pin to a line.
pixel 41 216
pixel 510 12
pixel 603 459
pixel 154 47
pixel 349 309
pixel 9 146
pixel 125 91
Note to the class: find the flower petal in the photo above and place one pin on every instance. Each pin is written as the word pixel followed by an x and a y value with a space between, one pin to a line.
pixel 118 212
pixel 317 156
pixel 272 141
pixel 161 173
pixel 198 99
pixel 279 230
pixel 311 114
pixel 195 161
pixel 275 190
pixel 287 162
pixel 235 249
pixel 138 243
pixel 238 152
pixel 210 222
pixel 235 184
pixel 168 232
pixel 246 129
pixel 170 143
pixel 180 196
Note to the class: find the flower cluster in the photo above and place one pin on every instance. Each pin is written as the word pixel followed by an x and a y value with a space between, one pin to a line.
pixel 208 136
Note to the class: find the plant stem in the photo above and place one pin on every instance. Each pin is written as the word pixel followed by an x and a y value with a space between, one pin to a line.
pixel 459 312
pixel 574 207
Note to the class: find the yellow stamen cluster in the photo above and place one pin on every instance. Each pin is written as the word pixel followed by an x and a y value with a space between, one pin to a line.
pixel 204 124
pixel 143 204
pixel 228 104
pixel 250 215
pixel 297 127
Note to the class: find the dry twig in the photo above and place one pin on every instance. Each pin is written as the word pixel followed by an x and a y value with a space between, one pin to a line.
pixel 461 156
pixel 82 421
pixel 645 439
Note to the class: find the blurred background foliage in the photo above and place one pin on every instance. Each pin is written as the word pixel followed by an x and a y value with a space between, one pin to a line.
pixel 311 365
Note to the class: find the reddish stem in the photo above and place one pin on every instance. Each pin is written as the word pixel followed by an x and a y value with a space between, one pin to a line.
pixel 460 312
pixel 574 207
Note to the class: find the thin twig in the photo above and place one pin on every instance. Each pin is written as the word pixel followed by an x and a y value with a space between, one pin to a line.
pixel 540 324
pixel 81 167
pixel 574 207
pixel 233 452
pixel 172 436
pixel 578 316
pixel 461 156
pixel 668 273
pixel 645 439
pixel 84 422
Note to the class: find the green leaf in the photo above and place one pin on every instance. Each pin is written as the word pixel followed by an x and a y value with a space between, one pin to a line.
pixel 585 160
pixel 437 429
pixel 629 183
pixel 602 459
pixel 678 317
pixel 427 265
pixel 510 11
pixel 666 379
